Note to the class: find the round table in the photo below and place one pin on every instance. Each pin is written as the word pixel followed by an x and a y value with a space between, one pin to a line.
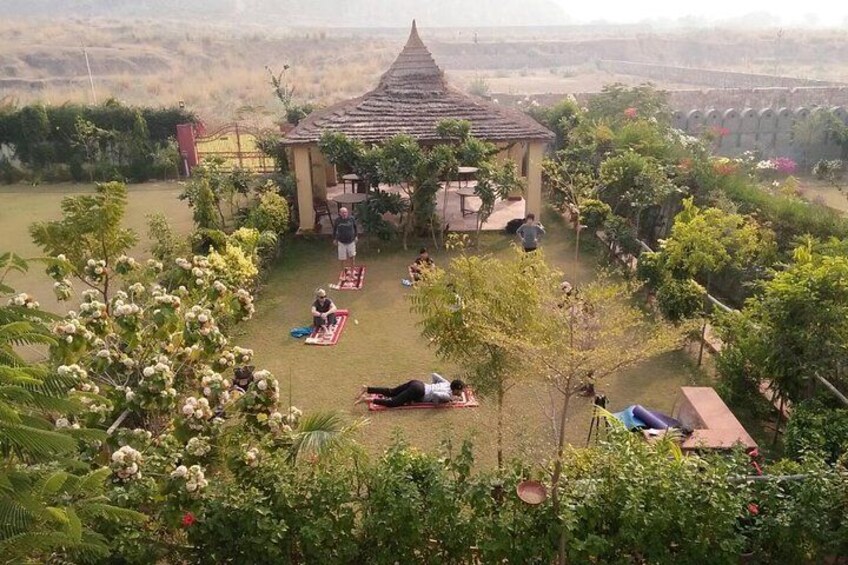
pixel 352 179
pixel 463 194
pixel 350 200
pixel 466 172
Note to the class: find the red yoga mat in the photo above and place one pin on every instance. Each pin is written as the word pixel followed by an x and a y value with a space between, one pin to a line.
pixel 356 282
pixel 469 401
pixel 324 338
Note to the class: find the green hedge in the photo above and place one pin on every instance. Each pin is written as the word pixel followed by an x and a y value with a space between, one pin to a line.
pixel 788 217
pixel 132 143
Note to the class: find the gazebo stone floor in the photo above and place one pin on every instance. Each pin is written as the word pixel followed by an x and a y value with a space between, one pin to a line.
pixel 505 210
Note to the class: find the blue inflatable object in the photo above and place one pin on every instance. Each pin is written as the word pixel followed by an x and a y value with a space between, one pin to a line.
pixel 301 332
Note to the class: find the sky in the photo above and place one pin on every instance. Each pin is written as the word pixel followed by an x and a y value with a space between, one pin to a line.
pixel 807 12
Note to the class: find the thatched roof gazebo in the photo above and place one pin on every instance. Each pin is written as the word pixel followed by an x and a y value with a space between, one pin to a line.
pixel 411 98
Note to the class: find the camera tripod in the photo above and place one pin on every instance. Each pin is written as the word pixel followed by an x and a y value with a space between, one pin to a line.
pixel 597 420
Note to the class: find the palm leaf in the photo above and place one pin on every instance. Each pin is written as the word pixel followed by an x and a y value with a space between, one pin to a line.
pixel 94 481
pixel 319 431
pixel 116 513
pixel 51 484
pixel 19 548
pixel 26 440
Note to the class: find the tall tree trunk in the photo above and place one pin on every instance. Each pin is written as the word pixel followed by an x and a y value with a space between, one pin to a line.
pixel 563 416
pixel 500 427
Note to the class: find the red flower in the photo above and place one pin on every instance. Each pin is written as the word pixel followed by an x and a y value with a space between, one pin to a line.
pixel 753 509
pixel 188 519
pixel 631 112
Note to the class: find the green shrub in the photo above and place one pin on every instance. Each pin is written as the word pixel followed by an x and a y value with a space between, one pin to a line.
pixel 271 213
pixel 650 269
pixel 594 213
pixel 788 217
pixel 814 428
pixel 680 299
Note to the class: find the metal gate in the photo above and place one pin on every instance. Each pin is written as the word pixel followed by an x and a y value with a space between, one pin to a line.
pixel 236 145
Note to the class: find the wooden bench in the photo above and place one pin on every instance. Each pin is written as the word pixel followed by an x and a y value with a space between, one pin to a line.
pixel 715 427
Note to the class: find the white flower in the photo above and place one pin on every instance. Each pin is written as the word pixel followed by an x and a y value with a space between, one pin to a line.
pixel 188 410
pixel 262 385
pixel 148 371
pixel 179 472
pixel 62 423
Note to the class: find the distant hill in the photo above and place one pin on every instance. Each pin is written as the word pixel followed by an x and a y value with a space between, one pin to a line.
pixel 323 13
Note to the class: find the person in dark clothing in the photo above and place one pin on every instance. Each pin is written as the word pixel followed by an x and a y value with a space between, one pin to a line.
pixel 323 311
pixel 423 261
pixel 530 233
pixel 440 390
pixel 344 236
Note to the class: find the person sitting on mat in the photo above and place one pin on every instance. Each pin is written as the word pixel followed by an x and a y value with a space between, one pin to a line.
pixel 423 261
pixel 323 311
pixel 441 390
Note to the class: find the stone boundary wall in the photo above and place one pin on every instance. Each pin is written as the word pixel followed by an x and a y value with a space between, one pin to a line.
pixel 709 77
pixel 760 119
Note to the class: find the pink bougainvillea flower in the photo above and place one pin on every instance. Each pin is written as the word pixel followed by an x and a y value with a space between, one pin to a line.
pixel 753 508
pixel 631 112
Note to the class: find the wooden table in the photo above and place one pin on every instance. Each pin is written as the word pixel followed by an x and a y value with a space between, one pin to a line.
pixel 467 173
pixel 463 194
pixel 352 179
pixel 350 200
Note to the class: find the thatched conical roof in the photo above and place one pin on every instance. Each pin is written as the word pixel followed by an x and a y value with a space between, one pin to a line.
pixel 411 98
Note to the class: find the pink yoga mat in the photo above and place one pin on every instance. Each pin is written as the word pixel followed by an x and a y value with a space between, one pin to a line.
pixel 357 283
pixel 469 402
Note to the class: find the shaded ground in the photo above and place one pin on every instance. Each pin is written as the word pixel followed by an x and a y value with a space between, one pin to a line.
pixel 385 347
pixel 21 205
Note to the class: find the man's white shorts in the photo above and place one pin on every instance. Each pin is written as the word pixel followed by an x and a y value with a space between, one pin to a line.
pixel 347 251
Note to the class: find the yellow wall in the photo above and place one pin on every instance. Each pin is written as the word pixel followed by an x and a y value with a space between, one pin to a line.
pixel 303 174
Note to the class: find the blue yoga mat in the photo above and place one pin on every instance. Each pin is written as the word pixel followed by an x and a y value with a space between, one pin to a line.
pixel 636 416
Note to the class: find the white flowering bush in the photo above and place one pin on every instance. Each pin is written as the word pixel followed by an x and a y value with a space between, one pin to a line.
pixel 192 479
pixel 216 388
pixel 198 447
pixel 95 270
pixel 125 265
pixel 197 413
pixel 126 463
pixel 252 456
pixel 262 396
pixel 63 289
pixel 23 300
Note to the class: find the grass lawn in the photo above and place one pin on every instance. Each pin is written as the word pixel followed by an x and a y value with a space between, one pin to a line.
pixel 820 191
pixel 21 205
pixel 385 348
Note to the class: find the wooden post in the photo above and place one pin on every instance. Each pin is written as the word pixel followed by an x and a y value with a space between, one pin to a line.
pixel 536 154
pixel 303 174
pixel 238 146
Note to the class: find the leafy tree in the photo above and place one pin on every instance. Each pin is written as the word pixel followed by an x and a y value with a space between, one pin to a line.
pixel 584 338
pixel 468 308
pixel 89 238
pixel 631 183
pixel 619 103
pixel 815 130
pixel 703 243
pixel 794 329
pixel 831 171
pixel 561 118
pixel 90 139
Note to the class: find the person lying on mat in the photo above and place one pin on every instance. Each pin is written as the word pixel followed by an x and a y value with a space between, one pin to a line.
pixel 323 311
pixel 439 391
pixel 422 262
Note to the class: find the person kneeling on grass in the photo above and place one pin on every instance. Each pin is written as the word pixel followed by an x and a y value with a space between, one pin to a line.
pixel 323 311
pixel 421 263
pixel 441 390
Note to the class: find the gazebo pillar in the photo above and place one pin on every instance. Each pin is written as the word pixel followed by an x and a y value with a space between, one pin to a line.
pixel 303 174
pixel 536 153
